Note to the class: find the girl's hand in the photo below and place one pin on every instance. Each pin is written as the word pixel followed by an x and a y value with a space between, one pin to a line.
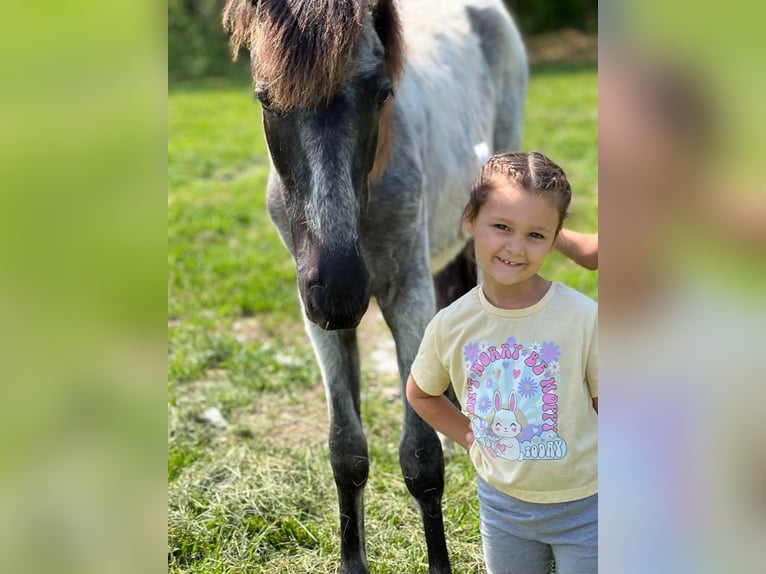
pixel 582 248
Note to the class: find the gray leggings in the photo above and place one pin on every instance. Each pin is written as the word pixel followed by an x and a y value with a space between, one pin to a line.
pixel 524 537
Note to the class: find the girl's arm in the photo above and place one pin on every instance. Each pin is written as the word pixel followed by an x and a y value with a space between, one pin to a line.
pixel 582 248
pixel 439 412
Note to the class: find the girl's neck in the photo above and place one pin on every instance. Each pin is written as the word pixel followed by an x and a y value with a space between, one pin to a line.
pixel 519 296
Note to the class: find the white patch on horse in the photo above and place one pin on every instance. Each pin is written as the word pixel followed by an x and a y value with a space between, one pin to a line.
pixel 332 209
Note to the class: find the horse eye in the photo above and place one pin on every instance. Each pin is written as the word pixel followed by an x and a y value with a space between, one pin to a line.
pixel 262 95
pixel 384 95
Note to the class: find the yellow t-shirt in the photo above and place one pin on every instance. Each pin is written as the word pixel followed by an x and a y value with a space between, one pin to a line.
pixel 526 379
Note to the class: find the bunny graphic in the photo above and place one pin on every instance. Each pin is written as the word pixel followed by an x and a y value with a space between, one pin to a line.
pixel 507 425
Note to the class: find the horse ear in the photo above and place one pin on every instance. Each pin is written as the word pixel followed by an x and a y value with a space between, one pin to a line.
pixel 389 29
pixel 497 400
pixel 512 402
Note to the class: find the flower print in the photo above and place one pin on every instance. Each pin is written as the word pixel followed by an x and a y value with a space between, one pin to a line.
pixel 529 432
pixel 478 424
pixel 536 347
pixel 524 351
pixel 484 404
pixel 554 367
pixel 550 352
pixel 468 364
pixel 528 388
pixel 535 440
pixel 489 383
pixel 479 428
pixel 483 346
pixel 549 435
pixel 510 341
pixel 471 352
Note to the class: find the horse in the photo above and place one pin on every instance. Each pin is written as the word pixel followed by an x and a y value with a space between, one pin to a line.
pixel 371 112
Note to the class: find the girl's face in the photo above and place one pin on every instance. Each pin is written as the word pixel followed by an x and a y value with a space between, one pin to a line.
pixel 513 232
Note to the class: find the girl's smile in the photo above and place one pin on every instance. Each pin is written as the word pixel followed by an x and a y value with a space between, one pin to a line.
pixel 510 263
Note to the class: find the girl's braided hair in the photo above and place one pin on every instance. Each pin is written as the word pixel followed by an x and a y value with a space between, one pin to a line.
pixel 531 171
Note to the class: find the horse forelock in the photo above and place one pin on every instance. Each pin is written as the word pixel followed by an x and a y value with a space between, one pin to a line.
pixel 301 49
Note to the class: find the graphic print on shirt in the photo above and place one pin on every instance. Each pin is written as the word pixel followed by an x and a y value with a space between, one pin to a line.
pixel 511 397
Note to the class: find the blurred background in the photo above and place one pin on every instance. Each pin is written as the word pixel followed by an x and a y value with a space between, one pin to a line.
pixel 682 222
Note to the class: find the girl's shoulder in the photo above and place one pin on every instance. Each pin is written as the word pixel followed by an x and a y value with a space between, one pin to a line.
pixel 573 299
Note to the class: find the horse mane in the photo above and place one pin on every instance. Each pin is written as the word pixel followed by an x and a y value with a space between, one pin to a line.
pixel 313 40
pixel 389 30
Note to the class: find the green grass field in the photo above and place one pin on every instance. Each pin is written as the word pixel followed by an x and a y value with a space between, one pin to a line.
pixel 258 494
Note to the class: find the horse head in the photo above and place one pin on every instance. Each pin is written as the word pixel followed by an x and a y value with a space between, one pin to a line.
pixel 324 73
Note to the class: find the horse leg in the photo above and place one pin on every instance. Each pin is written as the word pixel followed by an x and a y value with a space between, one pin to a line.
pixel 407 311
pixel 338 357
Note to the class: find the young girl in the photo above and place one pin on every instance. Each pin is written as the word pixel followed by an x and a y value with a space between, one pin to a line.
pixel 521 353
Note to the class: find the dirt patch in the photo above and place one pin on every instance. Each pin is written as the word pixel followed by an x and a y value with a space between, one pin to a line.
pixel 267 328
pixel 567 46
pixel 302 422
pixel 248 330
pixel 380 370
pixel 302 419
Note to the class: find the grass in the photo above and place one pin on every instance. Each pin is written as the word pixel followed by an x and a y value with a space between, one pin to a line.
pixel 258 495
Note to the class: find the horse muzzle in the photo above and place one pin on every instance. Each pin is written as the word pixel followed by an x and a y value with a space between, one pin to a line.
pixel 335 291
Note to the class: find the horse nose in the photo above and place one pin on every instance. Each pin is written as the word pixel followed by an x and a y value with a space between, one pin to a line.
pixel 335 292
pixel 335 310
